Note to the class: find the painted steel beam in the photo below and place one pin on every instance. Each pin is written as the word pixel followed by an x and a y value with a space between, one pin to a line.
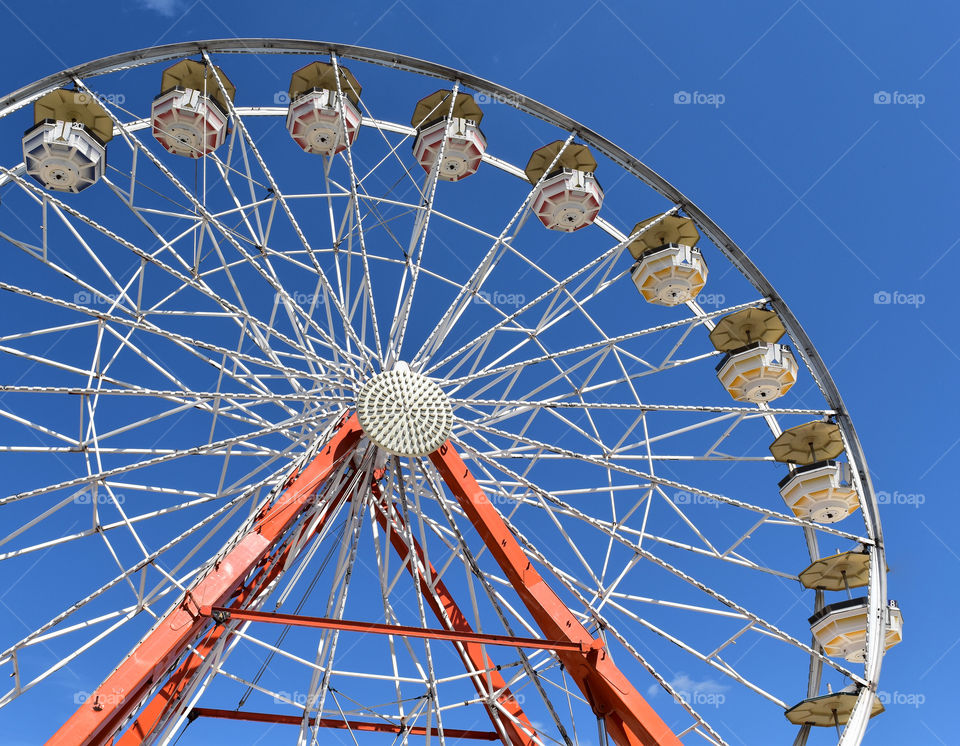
pixel 345 724
pixel 630 720
pixel 222 614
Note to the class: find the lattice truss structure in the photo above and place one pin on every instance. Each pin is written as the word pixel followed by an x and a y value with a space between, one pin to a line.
pixel 184 339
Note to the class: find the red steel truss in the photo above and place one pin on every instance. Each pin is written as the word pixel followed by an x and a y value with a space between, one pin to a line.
pixel 357 725
pixel 121 693
pixel 252 564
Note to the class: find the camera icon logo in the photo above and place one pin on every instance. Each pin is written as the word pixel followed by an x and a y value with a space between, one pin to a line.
pixel 682 97
pixel 881 97
pixel 882 298
pixel 81 296
pixel 281 98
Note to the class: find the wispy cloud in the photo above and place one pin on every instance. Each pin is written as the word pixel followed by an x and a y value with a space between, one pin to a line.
pixel 163 7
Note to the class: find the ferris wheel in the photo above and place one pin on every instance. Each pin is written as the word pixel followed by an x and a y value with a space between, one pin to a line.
pixel 347 395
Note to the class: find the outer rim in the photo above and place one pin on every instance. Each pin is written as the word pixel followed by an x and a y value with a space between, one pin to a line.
pixel 856 726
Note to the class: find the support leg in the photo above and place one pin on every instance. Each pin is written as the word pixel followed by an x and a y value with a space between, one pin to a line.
pixel 630 720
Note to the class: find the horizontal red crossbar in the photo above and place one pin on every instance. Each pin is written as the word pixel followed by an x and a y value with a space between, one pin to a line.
pixel 222 613
pixel 359 725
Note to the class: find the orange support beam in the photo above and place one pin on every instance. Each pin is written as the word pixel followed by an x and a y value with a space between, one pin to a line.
pixel 171 691
pixel 175 686
pixel 629 719
pixel 98 719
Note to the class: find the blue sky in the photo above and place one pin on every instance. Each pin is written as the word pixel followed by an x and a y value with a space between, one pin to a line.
pixel 823 138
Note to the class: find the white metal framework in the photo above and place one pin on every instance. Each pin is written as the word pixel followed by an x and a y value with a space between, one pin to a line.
pixel 181 336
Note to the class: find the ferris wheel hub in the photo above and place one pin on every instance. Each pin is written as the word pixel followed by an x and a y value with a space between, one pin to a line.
pixel 404 412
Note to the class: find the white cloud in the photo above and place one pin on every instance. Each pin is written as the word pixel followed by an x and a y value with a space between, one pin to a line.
pixel 683 683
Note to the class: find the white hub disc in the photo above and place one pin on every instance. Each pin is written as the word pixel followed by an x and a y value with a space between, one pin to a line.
pixel 404 412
